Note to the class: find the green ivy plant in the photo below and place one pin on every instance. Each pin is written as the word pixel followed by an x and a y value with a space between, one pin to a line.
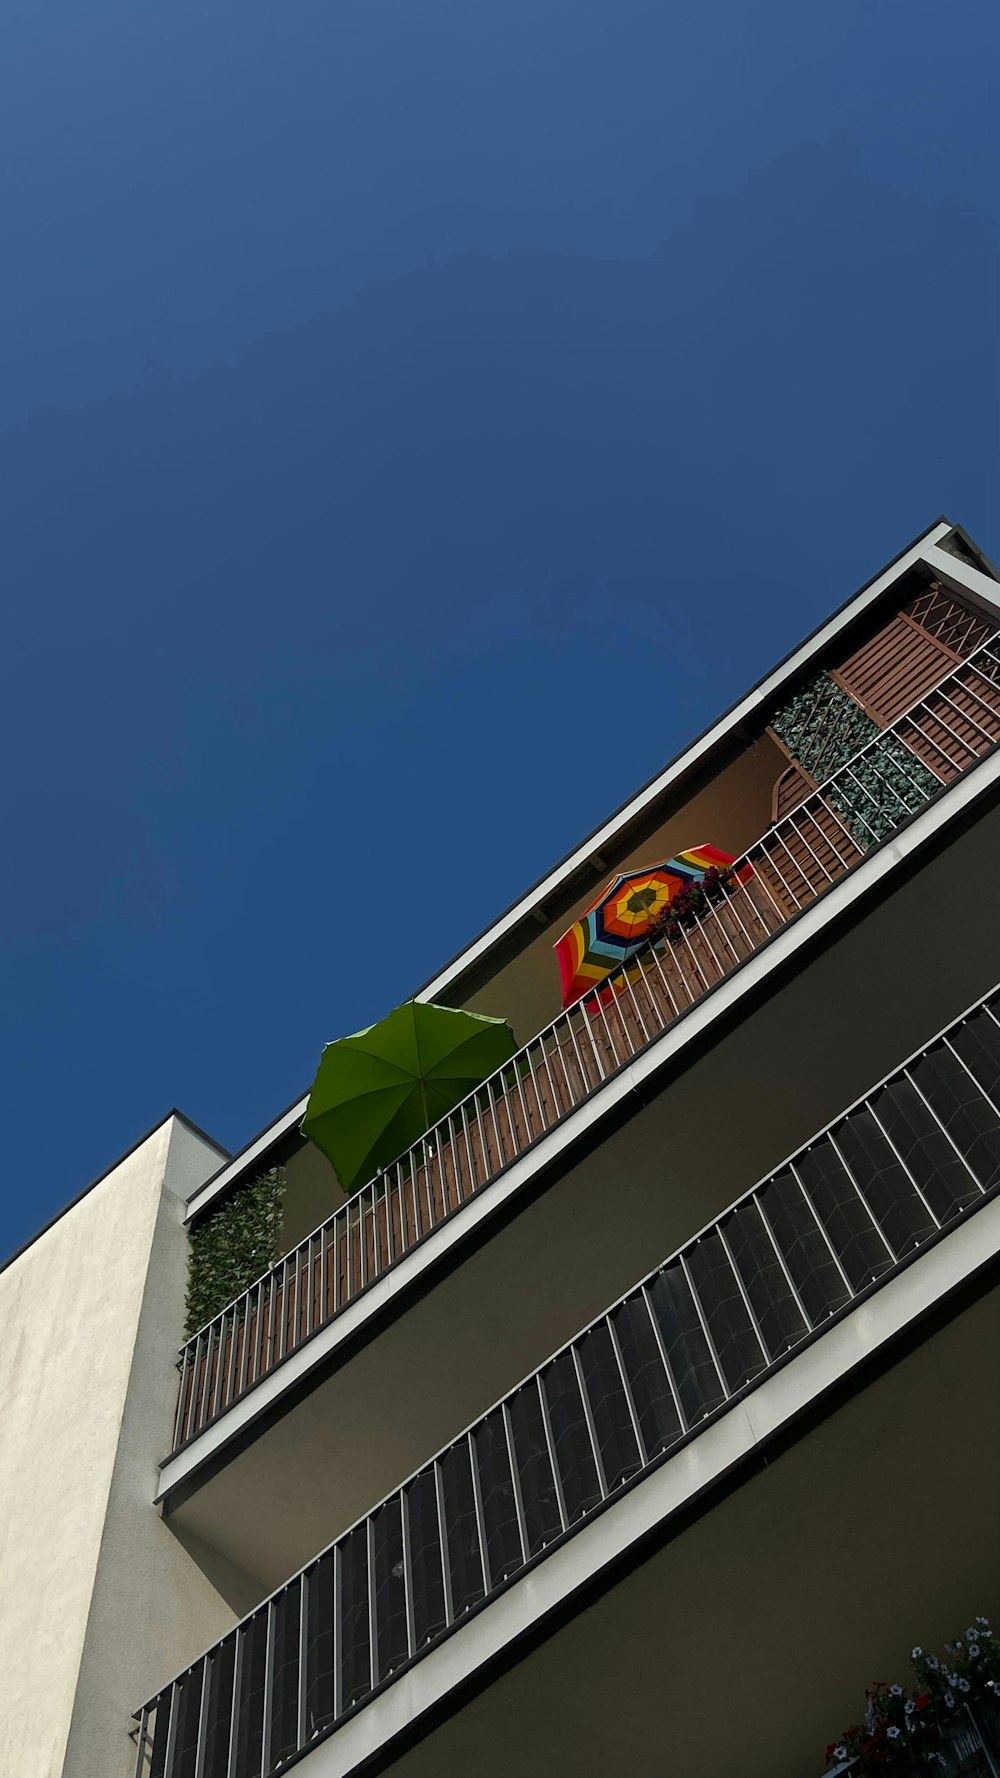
pixel 232 1247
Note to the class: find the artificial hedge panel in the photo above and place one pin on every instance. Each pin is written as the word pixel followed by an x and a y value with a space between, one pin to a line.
pixel 232 1247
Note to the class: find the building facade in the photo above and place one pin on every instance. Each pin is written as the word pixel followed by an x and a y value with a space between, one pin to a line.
pixel 646 1408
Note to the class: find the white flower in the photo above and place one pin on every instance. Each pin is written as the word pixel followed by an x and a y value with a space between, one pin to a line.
pixel 963 1685
pixel 949 1700
pixel 840 1753
pixel 894 1733
pixel 896 1691
pixel 915 1654
pixel 984 1621
pixel 933 1663
pixel 909 1707
pixel 970 1635
pixel 974 1649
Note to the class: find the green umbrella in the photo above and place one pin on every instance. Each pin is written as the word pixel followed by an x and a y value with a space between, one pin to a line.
pixel 379 1091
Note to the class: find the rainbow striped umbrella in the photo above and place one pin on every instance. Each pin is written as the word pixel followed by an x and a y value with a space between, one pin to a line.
pixel 623 915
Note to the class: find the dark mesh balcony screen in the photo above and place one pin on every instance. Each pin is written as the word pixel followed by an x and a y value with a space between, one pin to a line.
pixel 390 1588
pixel 538 1490
pixel 571 1438
pixel 461 1530
pixel 723 1307
pixel 978 1043
pixel 355 1648
pixel 319 1646
pixel 924 1149
pixel 496 1490
pixel 285 1671
pixel 620 1455
pixel 895 1204
pixel 187 1707
pixel 803 1249
pixel 969 1120
pixel 219 1713
pixel 250 1712
pixel 857 1243
pixel 778 1315
pixel 425 1557
pixel 655 1407
pixel 688 1353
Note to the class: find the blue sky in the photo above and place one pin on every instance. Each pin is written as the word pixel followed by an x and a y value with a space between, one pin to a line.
pixel 416 422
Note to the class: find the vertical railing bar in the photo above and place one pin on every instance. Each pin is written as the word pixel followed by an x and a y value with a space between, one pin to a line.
pixel 293 1334
pixel 776 835
pixel 180 1413
pixel 425 1172
pixel 515 1146
pixel 723 969
pixel 438 1155
pixel 239 1385
pixel 879 1125
pixel 748 1306
pixel 945 1133
pixel 363 1233
pixel 695 1298
pixel 655 956
pixel 205 1407
pixel 838 1151
pixel 855 812
pixel 682 1419
pixel 519 1083
pixel 828 807
pixel 765 859
pixel 372 1612
pixel 468 1155
pixel 820 866
pixel 141 1741
pixel 565 1070
pixel 754 1199
pixel 585 1087
pixel 338 1633
pixel 259 1335
pixel 768 855
pixel 282 1338
pixel 929 714
pixel 587 1027
pixel 699 972
pixel 272 1300
pixel 477 1498
pixel 971 692
pixel 793 1170
pixel 515 1481
pixel 963 714
pixel 171 1747
pixel 602 1480
pixel 324 1275
pixel 220 1367
pixel 730 901
pixel 404 1525
pixel 302 1675
pixel 234 1713
pixel 449 1603
pixel 550 1446
pixel 496 1127
pixel 268 1698
pixel 202 1740
pixel 627 1387
pixel 625 977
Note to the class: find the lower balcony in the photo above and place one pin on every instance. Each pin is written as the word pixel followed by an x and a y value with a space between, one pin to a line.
pixel 697 1529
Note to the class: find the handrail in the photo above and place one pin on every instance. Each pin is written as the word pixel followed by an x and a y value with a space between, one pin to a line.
pixel 889 1176
pixel 871 795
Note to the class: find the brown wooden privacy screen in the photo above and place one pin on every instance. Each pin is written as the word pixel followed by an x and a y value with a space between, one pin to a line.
pixel 794 862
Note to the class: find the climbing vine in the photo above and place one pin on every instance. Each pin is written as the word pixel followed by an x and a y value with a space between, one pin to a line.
pixel 824 728
pixel 232 1247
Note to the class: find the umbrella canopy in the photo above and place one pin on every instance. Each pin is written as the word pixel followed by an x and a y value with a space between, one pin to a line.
pixel 623 915
pixel 379 1091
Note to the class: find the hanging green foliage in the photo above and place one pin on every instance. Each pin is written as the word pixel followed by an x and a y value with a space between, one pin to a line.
pixel 232 1247
pixel 824 728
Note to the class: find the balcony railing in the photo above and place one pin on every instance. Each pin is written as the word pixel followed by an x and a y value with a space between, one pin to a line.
pixel 911 1159
pixel 869 797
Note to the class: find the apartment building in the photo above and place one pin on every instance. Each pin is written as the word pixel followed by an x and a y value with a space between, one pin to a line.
pixel 645 1409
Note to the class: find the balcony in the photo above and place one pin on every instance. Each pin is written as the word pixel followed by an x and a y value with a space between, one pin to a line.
pixel 931 746
pixel 835 1273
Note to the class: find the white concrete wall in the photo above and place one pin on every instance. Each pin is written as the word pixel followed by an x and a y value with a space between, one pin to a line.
pixel 90 1315
pixel 156 1603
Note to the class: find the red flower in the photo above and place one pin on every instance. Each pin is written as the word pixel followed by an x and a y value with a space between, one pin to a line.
pixel 921 1699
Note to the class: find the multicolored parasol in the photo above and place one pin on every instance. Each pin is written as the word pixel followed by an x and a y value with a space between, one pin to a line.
pixel 623 915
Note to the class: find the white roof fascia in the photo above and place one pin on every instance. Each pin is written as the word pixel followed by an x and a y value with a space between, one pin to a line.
pixel 945 567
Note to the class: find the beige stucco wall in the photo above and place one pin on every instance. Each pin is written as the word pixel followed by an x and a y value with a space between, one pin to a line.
pixel 90 1314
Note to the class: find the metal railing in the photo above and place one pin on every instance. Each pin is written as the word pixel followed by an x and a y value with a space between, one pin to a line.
pixel 873 794
pixel 912 1158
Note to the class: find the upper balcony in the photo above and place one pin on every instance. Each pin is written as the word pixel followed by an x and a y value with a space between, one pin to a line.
pixel 749 993
pixel 766 1458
